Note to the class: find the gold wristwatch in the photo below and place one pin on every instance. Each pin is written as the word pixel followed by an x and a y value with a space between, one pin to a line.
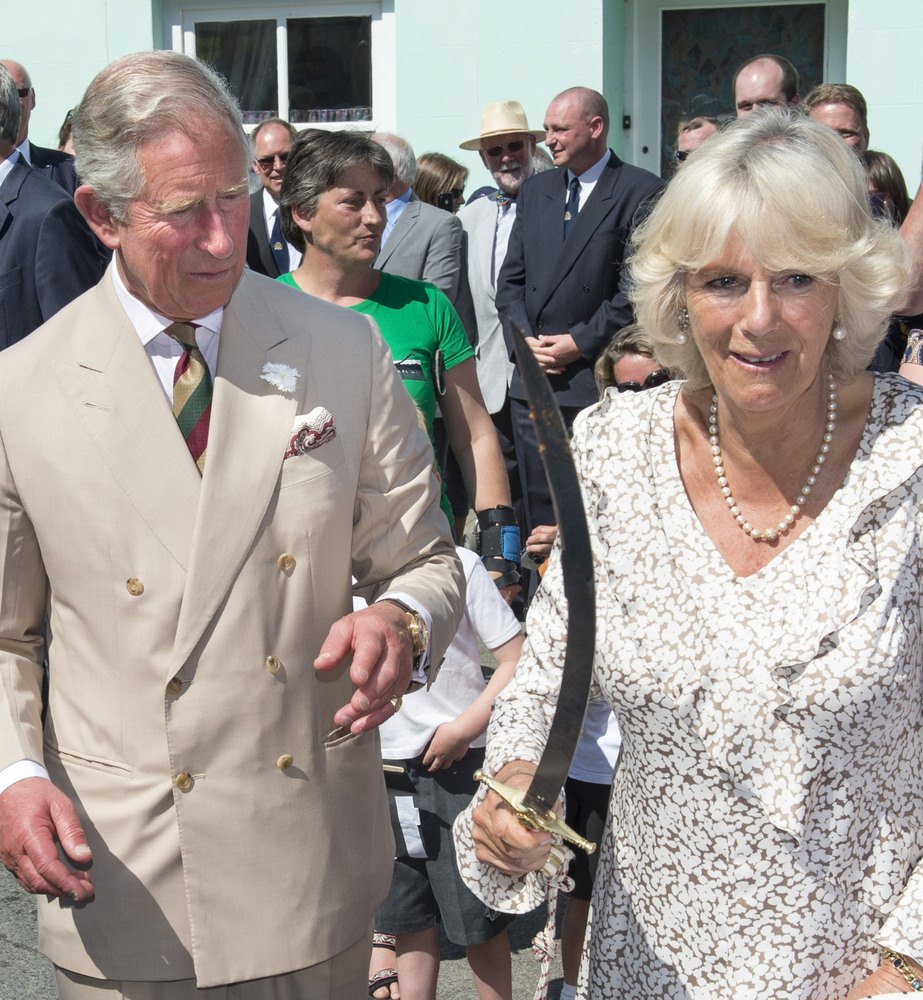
pixel 419 633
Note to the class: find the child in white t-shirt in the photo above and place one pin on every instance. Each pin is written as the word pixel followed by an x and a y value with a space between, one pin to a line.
pixel 438 739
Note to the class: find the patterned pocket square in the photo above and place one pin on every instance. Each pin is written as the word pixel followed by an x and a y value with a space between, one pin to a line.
pixel 310 431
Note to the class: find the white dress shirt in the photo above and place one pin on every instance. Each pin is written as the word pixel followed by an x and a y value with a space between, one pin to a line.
pixel 7 165
pixel 588 179
pixel 506 216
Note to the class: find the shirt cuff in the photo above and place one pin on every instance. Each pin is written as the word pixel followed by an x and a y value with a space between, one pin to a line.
pixel 20 770
pixel 420 670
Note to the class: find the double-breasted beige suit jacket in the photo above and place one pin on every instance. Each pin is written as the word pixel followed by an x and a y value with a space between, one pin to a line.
pixel 183 616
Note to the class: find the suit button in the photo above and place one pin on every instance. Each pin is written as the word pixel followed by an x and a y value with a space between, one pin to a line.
pixel 586 288
pixel 134 586
pixel 175 686
pixel 183 781
pixel 285 762
pixel 540 324
pixel 273 664
pixel 286 562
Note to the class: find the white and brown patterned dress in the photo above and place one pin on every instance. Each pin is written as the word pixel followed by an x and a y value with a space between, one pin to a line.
pixel 767 817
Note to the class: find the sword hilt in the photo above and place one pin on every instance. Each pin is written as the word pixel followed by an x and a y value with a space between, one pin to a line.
pixel 531 817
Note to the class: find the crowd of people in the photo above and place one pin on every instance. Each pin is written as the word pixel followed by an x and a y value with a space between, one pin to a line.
pixel 255 390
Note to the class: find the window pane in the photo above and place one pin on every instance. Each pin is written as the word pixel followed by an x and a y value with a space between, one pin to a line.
pixel 330 69
pixel 244 52
pixel 703 47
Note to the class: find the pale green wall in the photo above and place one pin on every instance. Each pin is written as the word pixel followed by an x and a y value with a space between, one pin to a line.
pixel 883 52
pixel 63 44
pixel 453 58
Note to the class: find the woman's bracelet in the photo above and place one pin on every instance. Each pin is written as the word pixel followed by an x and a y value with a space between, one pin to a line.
pixel 905 969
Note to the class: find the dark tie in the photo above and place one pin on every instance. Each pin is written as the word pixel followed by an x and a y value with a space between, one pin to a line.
pixel 278 245
pixel 192 392
pixel 573 204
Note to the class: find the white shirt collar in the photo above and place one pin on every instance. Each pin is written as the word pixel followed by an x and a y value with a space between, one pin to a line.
pixel 270 207
pixel 7 165
pixel 147 323
pixel 592 174
pixel 25 147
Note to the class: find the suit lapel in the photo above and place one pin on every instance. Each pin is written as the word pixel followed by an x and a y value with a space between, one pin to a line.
pixel 405 222
pixel 258 228
pixel 251 423
pixel 115 395
pixel 9 191
pixel 590 216
pixel 481 250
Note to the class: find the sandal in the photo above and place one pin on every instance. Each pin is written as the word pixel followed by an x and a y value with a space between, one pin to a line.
pixel 383 977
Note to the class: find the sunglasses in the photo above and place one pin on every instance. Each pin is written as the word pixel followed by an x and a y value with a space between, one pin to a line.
pixel 514 147
pixel 681 154
pixel 266 163
pixel 23 92
pixel 651 382
pixel 456 193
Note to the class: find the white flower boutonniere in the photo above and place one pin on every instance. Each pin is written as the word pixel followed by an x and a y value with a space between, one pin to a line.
pixel 282 377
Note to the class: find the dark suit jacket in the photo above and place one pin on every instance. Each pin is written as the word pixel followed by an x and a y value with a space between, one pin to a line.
pixel 48 255
pixel 549 285
pixel 55 165
pixel 259 253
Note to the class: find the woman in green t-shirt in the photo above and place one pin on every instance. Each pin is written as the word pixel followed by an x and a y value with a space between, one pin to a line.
pixel 332 207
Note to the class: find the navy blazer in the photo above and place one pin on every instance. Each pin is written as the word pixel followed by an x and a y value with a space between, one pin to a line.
pixel 549 285
pixel 55 165
pixel 48 255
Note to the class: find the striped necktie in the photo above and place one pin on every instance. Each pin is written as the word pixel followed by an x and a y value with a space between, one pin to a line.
pixel 192 392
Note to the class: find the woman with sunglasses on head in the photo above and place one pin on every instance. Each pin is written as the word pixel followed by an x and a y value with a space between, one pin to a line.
pixel 628 363
pixel 757 535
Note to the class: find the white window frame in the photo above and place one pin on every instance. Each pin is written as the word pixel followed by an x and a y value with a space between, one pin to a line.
pixel 180 22
pixel 643 50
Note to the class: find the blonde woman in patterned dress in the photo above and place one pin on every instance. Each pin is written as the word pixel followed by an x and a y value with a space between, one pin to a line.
pixel 758 548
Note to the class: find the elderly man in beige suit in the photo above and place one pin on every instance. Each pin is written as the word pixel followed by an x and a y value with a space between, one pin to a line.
pixel 209 732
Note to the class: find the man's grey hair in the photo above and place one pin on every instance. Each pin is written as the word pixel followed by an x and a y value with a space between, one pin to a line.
pixel 402 156
pixel 317 162
pixel 10 110
pixel 138 99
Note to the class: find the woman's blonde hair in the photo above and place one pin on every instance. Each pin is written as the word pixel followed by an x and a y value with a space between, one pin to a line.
pixel 796 196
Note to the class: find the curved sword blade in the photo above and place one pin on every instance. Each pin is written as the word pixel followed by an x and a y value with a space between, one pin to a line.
pixel 577 569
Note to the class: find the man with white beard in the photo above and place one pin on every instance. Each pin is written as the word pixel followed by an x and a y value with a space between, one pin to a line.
pixel 506 144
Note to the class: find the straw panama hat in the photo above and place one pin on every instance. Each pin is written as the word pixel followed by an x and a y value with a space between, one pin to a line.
pixel 502 118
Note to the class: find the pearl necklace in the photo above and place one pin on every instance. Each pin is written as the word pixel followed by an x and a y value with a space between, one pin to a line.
pixel 771 534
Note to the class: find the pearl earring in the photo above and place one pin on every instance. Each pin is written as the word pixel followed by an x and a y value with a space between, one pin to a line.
pixel 683 336
pixel 838 333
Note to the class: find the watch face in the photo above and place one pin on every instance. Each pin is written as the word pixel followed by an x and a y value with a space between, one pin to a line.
pixel 419 633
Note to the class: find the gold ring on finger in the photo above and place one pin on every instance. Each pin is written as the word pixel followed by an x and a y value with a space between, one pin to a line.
pixel 396 703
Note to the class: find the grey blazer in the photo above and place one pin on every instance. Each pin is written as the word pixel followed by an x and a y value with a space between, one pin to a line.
pixel 425 244
pixel 479 219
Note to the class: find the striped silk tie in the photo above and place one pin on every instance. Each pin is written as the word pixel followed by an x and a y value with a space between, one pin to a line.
pixel 192 392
